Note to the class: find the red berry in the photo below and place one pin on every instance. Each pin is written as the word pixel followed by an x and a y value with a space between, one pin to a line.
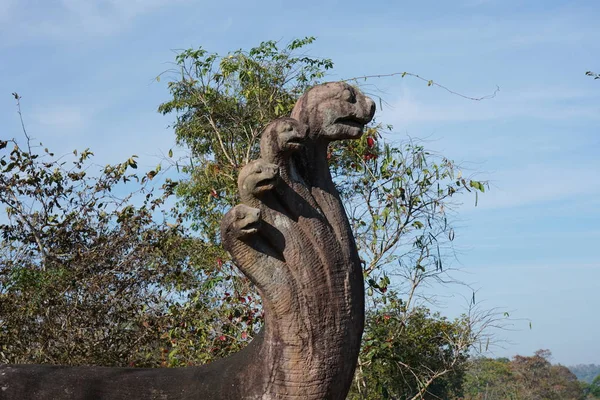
pixel 370 142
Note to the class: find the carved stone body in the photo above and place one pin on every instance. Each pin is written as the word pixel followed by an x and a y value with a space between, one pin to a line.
pixel 292 238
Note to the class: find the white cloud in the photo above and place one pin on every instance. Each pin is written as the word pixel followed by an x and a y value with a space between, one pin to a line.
pixel 71 18
pixel 548 103
pixel 227 24
pixel 517 30
pixel 6 9
pixel 541 183
pixel 528 168
pixel 60 120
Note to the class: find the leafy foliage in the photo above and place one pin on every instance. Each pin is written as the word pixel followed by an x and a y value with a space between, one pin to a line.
pixel 412 353
pixel 594 388
pixel 399 205
pixel 90 277
pixel 527 378
pixel 593 74
pixel 489 378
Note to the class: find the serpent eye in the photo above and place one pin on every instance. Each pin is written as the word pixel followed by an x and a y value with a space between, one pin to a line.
pixel 286 127
pixel 348 95
pixel 258 171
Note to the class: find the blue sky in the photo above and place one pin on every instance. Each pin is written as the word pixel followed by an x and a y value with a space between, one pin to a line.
pixel 86 70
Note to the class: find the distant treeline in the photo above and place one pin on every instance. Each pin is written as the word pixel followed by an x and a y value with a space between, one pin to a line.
pixel 524 377
pixel 585 372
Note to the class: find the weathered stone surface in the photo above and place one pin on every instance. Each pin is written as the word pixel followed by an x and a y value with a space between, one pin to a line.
pixel 292 238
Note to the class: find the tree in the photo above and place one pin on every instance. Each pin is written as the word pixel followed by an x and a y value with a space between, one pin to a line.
pixel 91 277
pixel 594 388
pixel 538 378
pixel 528 378
pixel 488 378
pixel 412 355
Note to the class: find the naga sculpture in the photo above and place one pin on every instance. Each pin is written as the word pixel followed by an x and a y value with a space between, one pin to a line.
pixel 292 238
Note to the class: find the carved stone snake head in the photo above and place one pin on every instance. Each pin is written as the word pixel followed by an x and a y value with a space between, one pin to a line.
pixel 256 178
pixel 282 137
pixel 242 221
pixel 334 111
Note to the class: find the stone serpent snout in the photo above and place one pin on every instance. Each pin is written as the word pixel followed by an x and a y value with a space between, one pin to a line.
pixel 246 221
pixel 335 110
pixel 281 138
pixel 256 178
pixel 290 134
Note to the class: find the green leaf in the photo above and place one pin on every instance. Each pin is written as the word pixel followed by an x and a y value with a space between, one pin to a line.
pixel 477 185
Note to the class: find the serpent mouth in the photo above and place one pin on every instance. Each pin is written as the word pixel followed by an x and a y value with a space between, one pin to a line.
pixel 250 228
pixel 265 184
pixel 293 140
pixel 295 143
pixel 351 120
pixel 349 127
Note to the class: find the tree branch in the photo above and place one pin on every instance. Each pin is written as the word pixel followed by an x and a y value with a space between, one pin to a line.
pixel 429 83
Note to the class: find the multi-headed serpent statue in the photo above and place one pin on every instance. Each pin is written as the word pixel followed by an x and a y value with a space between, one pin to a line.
pixel 291 238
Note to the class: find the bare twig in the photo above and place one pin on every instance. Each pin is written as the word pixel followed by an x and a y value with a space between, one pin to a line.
pixel 429 83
